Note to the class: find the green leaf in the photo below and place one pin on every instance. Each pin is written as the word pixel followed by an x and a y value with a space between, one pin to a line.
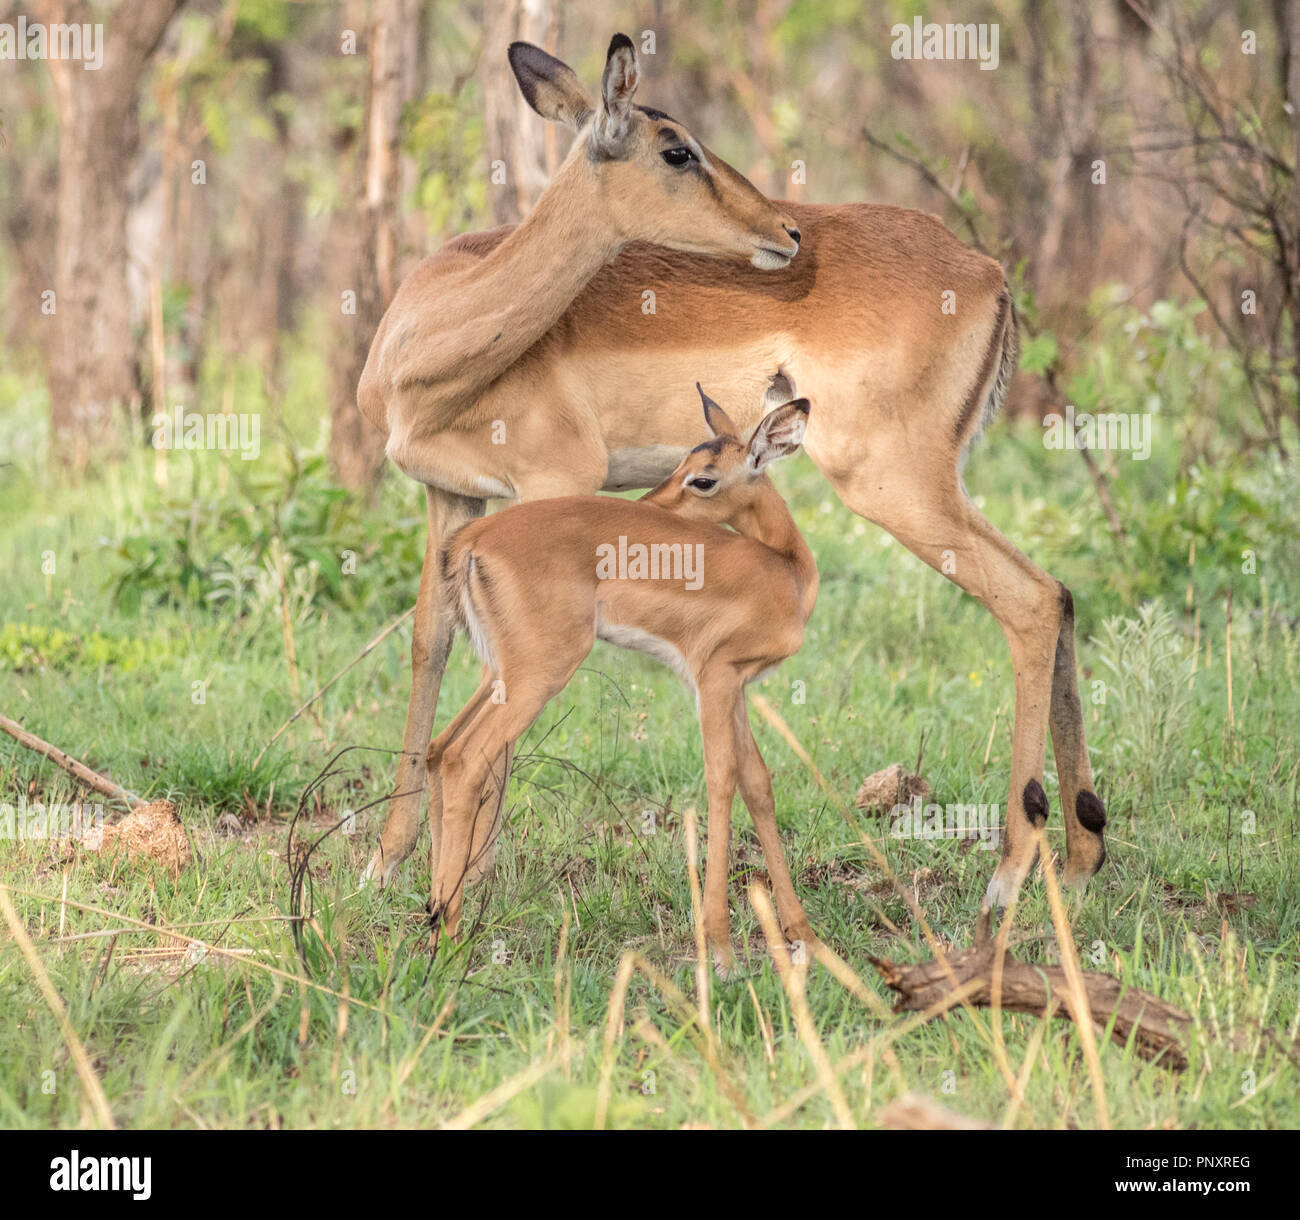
pixel 1039 353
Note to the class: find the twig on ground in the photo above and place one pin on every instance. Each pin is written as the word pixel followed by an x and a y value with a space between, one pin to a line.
pixel 78 770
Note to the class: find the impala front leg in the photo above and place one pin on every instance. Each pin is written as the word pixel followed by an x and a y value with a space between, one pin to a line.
pixel 717 700
pixel 1032 653
pixel 431 637
pixel 756 789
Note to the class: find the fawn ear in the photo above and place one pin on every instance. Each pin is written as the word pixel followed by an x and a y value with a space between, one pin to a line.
pixel 549 86
pixel 779 435
pixel 617 88
pixel 716 419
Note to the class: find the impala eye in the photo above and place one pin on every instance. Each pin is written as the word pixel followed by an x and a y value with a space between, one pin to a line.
pixel 703 484
pixel 678 157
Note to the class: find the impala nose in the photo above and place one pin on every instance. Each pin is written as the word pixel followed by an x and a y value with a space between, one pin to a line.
pixel 793 232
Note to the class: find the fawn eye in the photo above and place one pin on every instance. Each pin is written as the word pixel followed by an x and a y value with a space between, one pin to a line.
pixel 703 484
pixel 677 157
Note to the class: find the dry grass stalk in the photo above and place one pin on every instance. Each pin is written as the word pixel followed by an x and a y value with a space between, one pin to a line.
pixel 506 1091
pixel 792 978
pixel 691 826
pixel 76 1051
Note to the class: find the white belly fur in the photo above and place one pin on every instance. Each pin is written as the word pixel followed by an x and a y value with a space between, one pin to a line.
pixel 642 641
pixel 641 466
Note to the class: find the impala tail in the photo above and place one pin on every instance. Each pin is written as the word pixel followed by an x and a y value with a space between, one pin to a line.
pixel 466 587
pixel 995 373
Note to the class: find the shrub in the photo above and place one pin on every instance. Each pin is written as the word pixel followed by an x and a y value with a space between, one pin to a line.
pixel 1150 682
pixel 221 551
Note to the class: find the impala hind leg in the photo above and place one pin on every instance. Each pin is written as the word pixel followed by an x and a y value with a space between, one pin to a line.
pixel 485 830
pixel 1085 815
pixel 473 777
pixel 431 636
pixel 928 511
pixel 433 763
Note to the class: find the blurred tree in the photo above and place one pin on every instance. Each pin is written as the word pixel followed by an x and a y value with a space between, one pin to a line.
pixel 28 140
pixel 357 449
pixel 91 355
pixel 1065 258
pixel 1228 145
pixel 522 146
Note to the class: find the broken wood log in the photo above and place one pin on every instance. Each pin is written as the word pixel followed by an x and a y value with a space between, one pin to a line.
pixel 79 770
pixel 1157 1028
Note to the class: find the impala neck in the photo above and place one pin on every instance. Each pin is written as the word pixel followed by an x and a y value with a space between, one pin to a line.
pixel 532 277
pixel 767 519
pixel 491 311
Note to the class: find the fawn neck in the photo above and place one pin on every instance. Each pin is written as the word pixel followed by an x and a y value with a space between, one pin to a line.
pixel 766 519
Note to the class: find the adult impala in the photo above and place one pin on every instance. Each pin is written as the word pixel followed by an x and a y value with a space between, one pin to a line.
pixel 521 363
pixel 537 584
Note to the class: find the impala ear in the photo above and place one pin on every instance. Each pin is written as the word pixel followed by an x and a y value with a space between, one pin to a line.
pixel 617 88
pixel 716 419
pixel 779 435
pixel 779 391
pixel 549 86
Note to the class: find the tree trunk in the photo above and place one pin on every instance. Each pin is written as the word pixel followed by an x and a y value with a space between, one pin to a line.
pixel 1292 270
pixel 91 353
pixel 1066 261
pixel 356 448
pixel 516 137
pixel 29 223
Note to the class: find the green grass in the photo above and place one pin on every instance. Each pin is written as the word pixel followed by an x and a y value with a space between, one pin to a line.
pixel 1197 902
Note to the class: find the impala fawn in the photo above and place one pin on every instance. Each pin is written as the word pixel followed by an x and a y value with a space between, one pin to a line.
pixel 537 584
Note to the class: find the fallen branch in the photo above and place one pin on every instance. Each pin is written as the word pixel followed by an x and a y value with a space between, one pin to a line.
pixel 79 770
pixel 1156 1028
